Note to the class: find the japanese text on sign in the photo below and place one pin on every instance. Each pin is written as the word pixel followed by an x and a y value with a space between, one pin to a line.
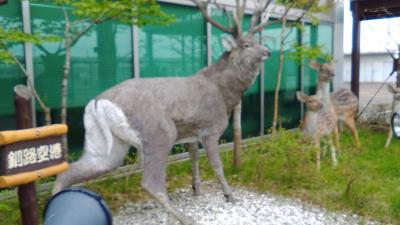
pixel 34 155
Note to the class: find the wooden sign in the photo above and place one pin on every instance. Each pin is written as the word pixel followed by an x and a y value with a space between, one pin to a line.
pixel 30 154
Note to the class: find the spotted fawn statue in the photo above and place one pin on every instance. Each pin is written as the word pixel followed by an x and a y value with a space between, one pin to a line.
pixel 319 123
pixel 344 102
pixel 395 109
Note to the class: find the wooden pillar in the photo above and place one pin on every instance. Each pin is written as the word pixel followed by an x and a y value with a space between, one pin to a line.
pixel 26 192
pixel 355 54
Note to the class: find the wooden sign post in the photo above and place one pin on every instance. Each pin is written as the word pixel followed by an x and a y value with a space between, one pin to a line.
pixel 30 154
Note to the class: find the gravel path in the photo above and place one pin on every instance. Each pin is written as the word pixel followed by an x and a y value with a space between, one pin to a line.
pixel 252 208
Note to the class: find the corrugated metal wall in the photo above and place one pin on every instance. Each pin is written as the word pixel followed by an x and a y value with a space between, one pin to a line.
pixel 10 75
pixel 103 58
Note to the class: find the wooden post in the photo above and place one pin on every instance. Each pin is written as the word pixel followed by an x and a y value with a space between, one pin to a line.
pixel 355 54
pixel 26 192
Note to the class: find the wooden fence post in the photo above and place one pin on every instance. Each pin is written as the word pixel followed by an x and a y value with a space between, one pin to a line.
pixel 26 192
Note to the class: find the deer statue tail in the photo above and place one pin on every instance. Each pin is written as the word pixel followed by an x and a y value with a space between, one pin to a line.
pixel 96 119
pixel 111 121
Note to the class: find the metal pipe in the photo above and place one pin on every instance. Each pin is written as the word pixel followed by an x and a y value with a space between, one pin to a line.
pixel 135 48
pixel 209 38
pixel 26 18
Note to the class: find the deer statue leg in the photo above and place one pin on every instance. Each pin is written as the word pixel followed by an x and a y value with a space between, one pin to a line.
pixel 91 165
pixel 351 124
pixel 389 137
pixel 155 153
pixel 211 145
pixel 318 151
pixel 194 156
pixel 332 150
pixel 337 139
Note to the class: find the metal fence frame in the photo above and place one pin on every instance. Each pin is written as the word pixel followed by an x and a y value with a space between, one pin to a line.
pixel 327 18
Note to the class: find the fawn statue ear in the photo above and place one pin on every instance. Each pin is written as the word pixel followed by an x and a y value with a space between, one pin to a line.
pixel 314 65
pixel 391 89
pixel 228 43
pixel 301 96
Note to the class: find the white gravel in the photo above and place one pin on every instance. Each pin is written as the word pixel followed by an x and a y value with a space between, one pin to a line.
pixel 250 209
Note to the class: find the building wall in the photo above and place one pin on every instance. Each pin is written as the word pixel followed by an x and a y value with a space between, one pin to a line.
pixel 373 68
pixel 104 57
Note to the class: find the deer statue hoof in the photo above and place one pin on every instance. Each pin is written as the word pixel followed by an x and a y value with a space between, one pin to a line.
pixel 230 198
pixel 188 221
pixel 196 192
pixel 196 189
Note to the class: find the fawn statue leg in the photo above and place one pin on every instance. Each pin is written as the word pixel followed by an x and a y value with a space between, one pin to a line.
pixel 389 137
pixel 318 151
pixel 333 151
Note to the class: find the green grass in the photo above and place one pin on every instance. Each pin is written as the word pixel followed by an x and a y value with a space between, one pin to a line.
pixel 366 182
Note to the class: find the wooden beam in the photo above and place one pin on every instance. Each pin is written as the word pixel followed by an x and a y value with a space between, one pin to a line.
pixel 355 54
pixel 28 177
pixel 13 136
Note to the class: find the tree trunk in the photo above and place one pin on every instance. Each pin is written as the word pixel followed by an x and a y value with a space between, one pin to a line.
pixel 237 135
pixel 46 110
pixel 278 78
pixel 67 66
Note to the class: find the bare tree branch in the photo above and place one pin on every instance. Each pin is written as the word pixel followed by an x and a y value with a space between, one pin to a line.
pixel 35 94
pixel 203 8
pixel 260 7
pixel 260 26
pixel 225 11
pixel 87 28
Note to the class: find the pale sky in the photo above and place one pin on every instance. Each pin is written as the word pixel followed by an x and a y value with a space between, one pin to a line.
pixel 376 35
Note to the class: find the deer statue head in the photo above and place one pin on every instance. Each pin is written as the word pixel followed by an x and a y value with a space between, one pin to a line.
pixel 313 102
pixel 325 71
pixel 244 43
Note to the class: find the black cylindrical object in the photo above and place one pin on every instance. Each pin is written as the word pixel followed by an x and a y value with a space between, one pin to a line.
pixel 395 124
pixel 77 206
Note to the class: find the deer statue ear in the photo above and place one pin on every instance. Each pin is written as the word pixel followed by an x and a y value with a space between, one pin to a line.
pixel 314 65
pixel 391 89
pixel 228 42
pixel 301 96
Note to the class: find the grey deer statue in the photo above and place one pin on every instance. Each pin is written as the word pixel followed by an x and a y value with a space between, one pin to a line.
pixel 319 123
pixel 395 109
pixel 344 102
pixel 153 114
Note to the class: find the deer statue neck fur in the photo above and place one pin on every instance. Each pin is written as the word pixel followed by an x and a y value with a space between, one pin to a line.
pixel 236 70
pixel 324 88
